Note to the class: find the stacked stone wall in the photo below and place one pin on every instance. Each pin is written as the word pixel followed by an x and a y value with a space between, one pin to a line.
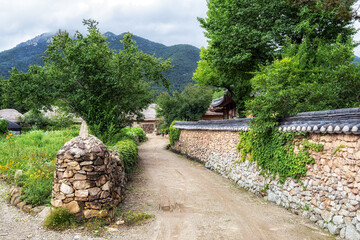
pixel 89 179
pixel 328 194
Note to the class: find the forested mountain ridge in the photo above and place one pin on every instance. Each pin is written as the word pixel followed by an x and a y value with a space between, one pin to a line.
pixel 184 57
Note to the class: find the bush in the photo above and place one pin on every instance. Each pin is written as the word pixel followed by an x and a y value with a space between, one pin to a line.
pixel 140 133
pixel 136 134
pixel 174 134
pixel 4 126
pixel 37 191
pixel 60 219
pixel 36 119
pixel 129 153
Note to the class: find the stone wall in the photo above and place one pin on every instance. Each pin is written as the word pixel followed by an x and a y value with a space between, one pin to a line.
pixel 329 195
pixel 89 179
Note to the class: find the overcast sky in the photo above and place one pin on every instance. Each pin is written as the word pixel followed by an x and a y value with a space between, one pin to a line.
pixel 165 21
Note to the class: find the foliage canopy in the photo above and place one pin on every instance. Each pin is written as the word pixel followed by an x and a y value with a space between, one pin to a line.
pixel 307 78
pixel 189 105
pixel 107 89
pixel 244 34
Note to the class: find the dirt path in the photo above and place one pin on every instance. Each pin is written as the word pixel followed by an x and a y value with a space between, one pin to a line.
pixel 203 205
pixel 206 206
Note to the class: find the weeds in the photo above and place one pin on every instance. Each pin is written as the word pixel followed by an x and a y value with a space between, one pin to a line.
pixel 34 153
pixel 60 219
pixel 135 218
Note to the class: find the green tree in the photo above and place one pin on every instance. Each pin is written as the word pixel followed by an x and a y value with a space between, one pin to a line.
pixel 305 79
pixel 107 89
pixel 244 34
pixel 189 105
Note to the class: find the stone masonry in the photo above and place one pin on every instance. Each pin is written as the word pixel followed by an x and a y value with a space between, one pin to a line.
pixel 89 179
pixel 328 195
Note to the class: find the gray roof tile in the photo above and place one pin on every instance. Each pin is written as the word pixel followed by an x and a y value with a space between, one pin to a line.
pixel 331 121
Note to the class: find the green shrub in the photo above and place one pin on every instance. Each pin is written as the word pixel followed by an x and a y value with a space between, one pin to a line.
pixel 174 134
pixel 36 119
pixel 136 134
pixel 37 191
pixel 274 153
pixel 129 153
pixel 62 120
pixel 140 133
pixel 60 219
pixel 4 126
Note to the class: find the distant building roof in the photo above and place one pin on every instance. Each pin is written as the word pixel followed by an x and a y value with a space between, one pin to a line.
pixel 10 115
pixel 209 113
pixel 13 126
pixel 150 113
pixel 218 104
pixel 345 120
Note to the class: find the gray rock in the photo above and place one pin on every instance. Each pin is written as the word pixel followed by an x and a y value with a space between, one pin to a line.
pixel 351 233
pixel 333 229
pixel 327 216
pixel 18 175
pixel 272 197
pixel 66 189
pixel 338 220
pixel 314 218
pixel 343 232
pixel 44 213
pixel 84 130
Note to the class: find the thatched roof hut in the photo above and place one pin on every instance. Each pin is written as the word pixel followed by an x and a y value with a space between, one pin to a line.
pixel 150 113
pixel 10 115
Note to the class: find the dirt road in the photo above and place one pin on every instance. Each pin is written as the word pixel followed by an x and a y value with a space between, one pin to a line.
pixel 188 201
pixel 206 206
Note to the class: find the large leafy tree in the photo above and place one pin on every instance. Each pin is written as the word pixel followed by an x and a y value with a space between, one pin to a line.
pixel 244 34
pixel 107 89
pixel 305 79
pixel 189 105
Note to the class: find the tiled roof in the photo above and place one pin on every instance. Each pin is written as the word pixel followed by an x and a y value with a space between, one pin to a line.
pixel 13 126
pixel 345 120
pixel 216 102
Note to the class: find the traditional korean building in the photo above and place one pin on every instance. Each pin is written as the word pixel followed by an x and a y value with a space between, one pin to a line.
pixel 150 120
pixel 225 105
pixel 11 115
pixel 209 115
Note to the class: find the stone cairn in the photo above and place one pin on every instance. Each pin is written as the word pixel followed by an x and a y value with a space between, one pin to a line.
pixel 89 179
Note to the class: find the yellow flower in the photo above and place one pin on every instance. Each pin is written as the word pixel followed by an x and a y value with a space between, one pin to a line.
pixel 10 134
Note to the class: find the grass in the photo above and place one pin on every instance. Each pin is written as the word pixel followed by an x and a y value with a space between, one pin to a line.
pixel 60 219
pixel 131 217
pixel 35 154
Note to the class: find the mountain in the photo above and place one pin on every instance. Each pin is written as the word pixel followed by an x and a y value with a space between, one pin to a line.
pixel 357 59
pixel 184 57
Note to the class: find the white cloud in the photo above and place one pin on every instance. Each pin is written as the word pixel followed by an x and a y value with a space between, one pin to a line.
pixel 166 21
